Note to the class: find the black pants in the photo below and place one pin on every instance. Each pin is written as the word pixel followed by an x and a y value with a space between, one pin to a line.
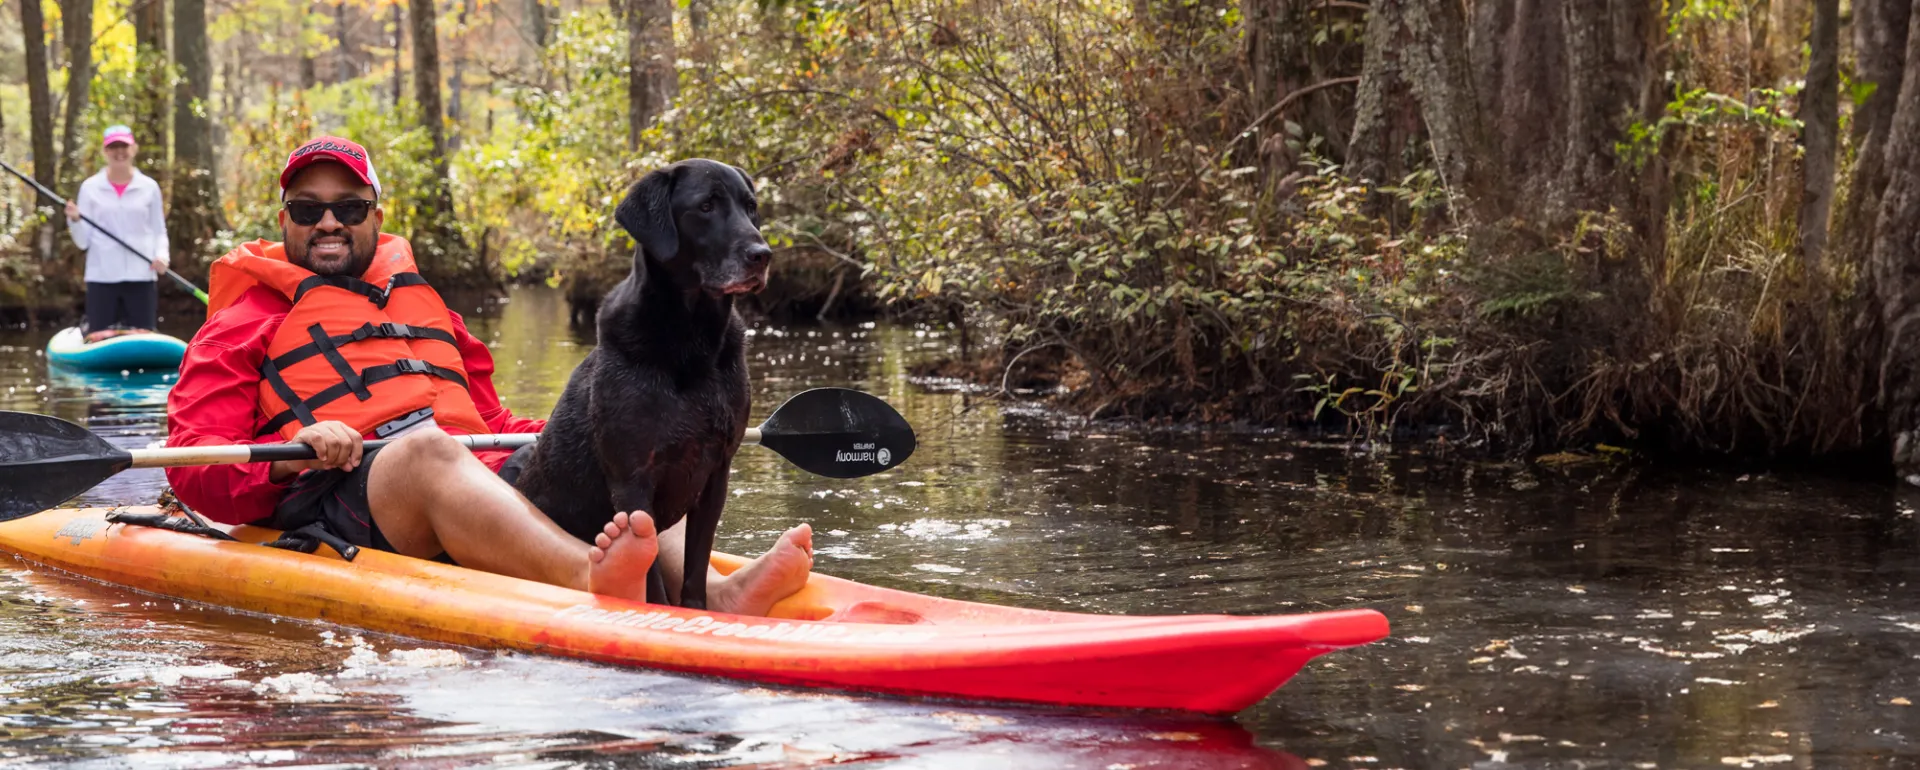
pixel 338 500
pixel 128 304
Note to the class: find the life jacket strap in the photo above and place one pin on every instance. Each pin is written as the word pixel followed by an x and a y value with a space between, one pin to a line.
pixel 369 376
pixel 340 366
pixel 367 331
pixel 296 409
pixel 375 294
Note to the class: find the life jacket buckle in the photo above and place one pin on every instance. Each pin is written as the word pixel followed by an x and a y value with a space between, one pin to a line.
pixel 412 366
pixel 395 330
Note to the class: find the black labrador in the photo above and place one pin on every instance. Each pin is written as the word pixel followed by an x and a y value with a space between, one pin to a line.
pixel 651 419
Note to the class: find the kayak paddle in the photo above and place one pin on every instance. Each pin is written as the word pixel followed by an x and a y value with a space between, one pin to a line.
pixel 44 460
pixel 177 278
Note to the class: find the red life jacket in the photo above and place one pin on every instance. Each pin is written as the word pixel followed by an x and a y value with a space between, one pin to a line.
pixel 375 352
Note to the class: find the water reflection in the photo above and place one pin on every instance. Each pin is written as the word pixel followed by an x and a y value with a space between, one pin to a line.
pixel 1589 615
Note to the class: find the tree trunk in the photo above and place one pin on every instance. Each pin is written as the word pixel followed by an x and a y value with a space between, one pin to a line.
pixel 536 23
pixel 343 69
pixel 33 26
pixel 697 18
pixel 1419 48
pixel 399 41
pixel 194 216
pixel 1279 54
pixel 652 81
pixel 1529 99
pixel 1880 45
pixel 1820 114
pixel 1486 35
pixel 435 240
pixel 1894 270
pixel 77 27
pixel 455 83
pixel 1586 177
pixel 152 78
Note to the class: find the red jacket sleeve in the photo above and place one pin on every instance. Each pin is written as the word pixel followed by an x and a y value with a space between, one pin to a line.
pixel 215 401
pixel 478 361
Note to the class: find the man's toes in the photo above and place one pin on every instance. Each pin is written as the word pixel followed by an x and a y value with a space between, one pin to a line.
pixel 801 536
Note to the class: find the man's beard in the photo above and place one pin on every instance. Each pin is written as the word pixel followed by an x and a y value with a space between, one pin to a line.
pixel 358 257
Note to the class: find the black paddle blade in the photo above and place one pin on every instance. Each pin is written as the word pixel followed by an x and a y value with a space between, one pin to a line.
pixel 838 433
pixel 44 461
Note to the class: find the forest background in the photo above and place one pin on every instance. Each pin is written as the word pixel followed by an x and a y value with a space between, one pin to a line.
pixel 1679 226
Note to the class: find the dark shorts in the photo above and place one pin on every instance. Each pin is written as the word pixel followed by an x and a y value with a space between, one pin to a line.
pixel 338 500
pixel 128 304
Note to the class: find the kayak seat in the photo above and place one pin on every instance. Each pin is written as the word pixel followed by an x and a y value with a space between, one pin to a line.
pixel 876 612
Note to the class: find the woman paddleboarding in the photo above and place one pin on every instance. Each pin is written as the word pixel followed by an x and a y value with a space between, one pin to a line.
pixel 121 296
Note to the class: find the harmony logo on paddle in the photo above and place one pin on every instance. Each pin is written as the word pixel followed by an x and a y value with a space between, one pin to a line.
pixel 707 625
pixel 864 453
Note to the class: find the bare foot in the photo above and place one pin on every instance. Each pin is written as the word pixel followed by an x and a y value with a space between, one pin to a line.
pixel 617 561
pixel 782 570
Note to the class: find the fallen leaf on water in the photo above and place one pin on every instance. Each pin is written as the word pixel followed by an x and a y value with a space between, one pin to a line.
pixel 1478 661
pixel 1900 702
pixel 1411 687
pixel 1768 704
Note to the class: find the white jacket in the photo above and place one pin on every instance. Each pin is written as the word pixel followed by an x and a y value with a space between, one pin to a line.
pixel 136 217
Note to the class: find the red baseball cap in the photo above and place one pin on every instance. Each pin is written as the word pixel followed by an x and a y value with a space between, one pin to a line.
pixel 331 149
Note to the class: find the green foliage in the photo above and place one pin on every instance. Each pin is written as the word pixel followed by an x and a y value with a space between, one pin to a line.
pixel 1765 112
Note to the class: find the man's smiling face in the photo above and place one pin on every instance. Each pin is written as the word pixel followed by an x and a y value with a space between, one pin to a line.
pixel 330 247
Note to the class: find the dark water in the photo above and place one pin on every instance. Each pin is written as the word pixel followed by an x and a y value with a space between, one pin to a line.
pixel 1592 616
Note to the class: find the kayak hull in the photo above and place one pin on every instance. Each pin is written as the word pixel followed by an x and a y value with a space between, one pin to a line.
pixel 128 351
pixel 833 634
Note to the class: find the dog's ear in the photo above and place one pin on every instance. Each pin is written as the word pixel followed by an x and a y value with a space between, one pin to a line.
pixel 744 176
pixel 647 215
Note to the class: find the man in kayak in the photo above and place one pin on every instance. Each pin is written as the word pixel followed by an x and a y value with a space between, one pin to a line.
pixel 332 336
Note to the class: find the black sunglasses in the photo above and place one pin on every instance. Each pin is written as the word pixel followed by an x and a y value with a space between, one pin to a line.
pixel 349 212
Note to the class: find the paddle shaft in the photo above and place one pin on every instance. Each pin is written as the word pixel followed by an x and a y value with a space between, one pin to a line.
pixel 235 454
pixel 55 197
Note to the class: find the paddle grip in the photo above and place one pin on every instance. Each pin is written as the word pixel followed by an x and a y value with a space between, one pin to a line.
pixel 175 457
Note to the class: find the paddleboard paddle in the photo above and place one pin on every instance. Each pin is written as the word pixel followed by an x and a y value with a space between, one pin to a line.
pixel 62 202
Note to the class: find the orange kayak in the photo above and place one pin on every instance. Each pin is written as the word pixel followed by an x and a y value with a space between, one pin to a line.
pixel 834 633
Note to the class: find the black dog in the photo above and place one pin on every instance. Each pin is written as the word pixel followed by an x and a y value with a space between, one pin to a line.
pixel 651 419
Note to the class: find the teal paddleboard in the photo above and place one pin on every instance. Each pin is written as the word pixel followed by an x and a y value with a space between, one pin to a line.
pixel 150 350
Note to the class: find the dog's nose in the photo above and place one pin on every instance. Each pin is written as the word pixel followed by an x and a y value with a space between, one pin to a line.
pixel 758 254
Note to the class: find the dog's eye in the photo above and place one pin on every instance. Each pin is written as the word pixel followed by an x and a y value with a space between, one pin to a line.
pixel 706 206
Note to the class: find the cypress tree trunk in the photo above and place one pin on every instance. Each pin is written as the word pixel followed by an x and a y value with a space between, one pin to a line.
pixel 1278 49
pixel 1418 49
pixel 77 27
pixel 1880 45
pixel 344 69
pixel 194 215
pixel 399 40
pixel 33 24
pixel 652 81
pixel 153 76
pixel 436 241
pixel 1820 113
pixel 455 81
pixel 1587 174
pixel 536 23
pixel 1894 271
